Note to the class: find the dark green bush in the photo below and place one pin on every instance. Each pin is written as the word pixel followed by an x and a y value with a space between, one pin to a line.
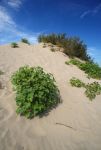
pixel 72 46
pixel 92 69
pixel 36 91
pixel 24 40
pixel 14 45
pixel 92 89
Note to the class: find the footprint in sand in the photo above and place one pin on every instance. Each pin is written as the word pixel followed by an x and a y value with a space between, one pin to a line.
pixel 3 114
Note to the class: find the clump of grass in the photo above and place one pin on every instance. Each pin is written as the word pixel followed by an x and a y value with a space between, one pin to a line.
pixel 14 45
pixel 92 69
pixel 52 49
pixel 72 46
pixel 1 73
pixel 36 91
pixel 92 89
pixel 0 85
pixel 24 40
pixel 44 45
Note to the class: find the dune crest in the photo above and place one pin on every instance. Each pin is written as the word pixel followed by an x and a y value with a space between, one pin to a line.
pixel 73 125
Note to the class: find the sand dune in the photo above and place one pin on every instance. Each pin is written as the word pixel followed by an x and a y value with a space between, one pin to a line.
pixel 73 125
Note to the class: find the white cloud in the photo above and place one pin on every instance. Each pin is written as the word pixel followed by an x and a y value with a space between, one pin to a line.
pixel 96 9
pixel 85 13
pixel 92 12
pixel 5 19
pixel 14 3
pixel 10 31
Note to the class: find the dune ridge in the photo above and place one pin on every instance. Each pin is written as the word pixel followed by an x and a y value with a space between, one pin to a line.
pixel 73 125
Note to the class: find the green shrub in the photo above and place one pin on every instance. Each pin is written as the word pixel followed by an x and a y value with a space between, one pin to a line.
pixel 14 45
pixel 72 46
pixel 36 91
pixel 92 89
pixel 24 40
pixel 76 82
pixel 92 69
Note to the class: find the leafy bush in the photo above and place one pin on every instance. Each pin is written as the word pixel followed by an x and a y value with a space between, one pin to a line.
pixel 92 69
pixel 24 40
pixel 92 89
pixel 76 82
pixel 36 91
pixel 72 46
pixel 14 45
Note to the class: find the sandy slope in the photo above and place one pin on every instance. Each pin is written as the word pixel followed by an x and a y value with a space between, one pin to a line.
pixel 18 133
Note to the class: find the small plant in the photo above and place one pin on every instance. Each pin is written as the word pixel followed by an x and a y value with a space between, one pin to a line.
pixel 24 40
pixel 14 45
pixel 52 49
pixel 92 89
pixel 36 91
pixel 44 45
pixel 67 63
pixel 0 85
pixel 76 82
pixel 1 73
pixel 92 69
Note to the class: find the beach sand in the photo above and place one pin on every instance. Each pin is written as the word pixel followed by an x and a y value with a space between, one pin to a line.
pixel 75 124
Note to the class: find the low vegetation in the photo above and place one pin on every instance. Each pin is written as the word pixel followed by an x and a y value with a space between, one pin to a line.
pixel 0 85
pixel 44 45
pixel 52 49
pixel 92 89
pixel 76 82
pixel 72 46
pixel 14 45
pixel 36 91
pixel 92 69
pixel 1 73
pixel 24 40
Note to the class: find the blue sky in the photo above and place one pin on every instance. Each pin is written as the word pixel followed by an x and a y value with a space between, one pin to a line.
pixel 29 18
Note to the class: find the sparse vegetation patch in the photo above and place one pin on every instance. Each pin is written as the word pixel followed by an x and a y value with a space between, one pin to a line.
pixel 92 69
pixel 14 45
pixel 1 73
pixel 36 91
pixel 92 89
pixel 24 40
pixel 72 46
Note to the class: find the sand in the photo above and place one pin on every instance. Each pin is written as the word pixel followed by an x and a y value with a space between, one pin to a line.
pixel 74 125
